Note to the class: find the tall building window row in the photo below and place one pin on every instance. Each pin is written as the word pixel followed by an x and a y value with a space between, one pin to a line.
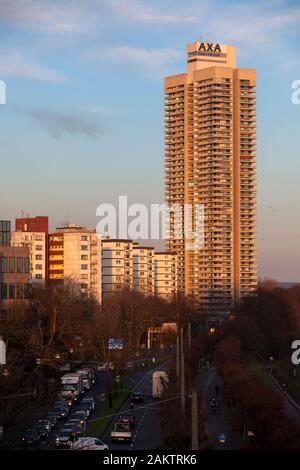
pixel 14 264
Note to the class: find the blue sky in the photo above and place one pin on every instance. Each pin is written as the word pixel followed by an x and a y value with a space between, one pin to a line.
pixel 83 121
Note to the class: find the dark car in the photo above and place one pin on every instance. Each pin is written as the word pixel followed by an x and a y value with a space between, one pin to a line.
pixel 85 408
pixel 52 418
pixel 41 430
pixel 47 423
pixel 90 402
pixel 61 409
pixel 125 418
pixel 76 422
pixel 137 397
pixel 65 437
pixel 31 437
pixel 80 414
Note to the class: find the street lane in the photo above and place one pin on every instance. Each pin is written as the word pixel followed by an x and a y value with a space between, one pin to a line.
pixel 146 433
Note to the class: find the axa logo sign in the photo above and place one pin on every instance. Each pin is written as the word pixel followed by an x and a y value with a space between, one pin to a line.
pixel 209 47
pixel 2 92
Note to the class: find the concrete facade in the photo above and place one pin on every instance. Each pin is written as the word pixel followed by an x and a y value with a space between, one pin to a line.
pixel 210 159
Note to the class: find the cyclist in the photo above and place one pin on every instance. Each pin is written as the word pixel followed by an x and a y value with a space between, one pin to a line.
pixel 213 405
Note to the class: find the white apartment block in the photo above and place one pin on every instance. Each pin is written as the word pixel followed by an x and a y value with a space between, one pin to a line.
pixel 166 274
pixel 143 269
pixel 37 244
pixel 75 253
pixel 117 265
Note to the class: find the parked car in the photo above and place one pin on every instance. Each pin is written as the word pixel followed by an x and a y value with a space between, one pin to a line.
pixel 31 437
pixel 137 397
pixel 89 443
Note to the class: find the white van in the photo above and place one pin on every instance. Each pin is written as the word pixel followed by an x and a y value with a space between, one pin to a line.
pixel 89 443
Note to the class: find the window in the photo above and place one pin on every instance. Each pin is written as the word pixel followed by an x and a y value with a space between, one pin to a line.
pixel 83 247
pixel 11 291
pixel 84 257
pixel 26 265
pixel 83 266
pixel 84 238
pixel 39 247
pixel 39 266
pixel 39 276
pixel 11 264
pixel 4 264
pixel 20 265
pixel 39 257
pixel 3 292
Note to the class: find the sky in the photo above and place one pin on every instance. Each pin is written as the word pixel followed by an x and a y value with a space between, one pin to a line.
pixel 83 119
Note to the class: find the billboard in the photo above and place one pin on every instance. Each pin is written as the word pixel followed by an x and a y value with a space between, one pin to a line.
pixel 114 343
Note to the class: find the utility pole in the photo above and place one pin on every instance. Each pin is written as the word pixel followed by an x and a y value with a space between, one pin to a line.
pixel 177 356
pixel 182 375
pixel 189 336
pixel 195 442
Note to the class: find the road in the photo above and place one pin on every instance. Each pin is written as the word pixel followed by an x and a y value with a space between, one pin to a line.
pixel 146 433
pixel 99 388
pixel 145 418
pixel 216 423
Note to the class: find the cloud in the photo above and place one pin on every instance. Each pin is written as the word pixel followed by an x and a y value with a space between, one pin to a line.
pixel 257 25
pixel 153 63
pixel 42 15
pixel 58 123
pixel 147 12
pixel 13 65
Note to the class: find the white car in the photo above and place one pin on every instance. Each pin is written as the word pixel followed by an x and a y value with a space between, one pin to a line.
pixel 89 443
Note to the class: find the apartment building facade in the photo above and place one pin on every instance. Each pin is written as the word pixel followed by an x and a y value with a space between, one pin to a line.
pixel 117 265
pixel 210 161
pixel 75 253
pixel 14 270
pixel 143 269
pixel 166 274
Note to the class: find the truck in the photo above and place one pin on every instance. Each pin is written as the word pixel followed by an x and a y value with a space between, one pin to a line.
pixel 160 381
pixel 87 377
pixel 121 431
pixel 72 387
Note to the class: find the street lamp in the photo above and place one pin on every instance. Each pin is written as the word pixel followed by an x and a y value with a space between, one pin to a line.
pixel 271 364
